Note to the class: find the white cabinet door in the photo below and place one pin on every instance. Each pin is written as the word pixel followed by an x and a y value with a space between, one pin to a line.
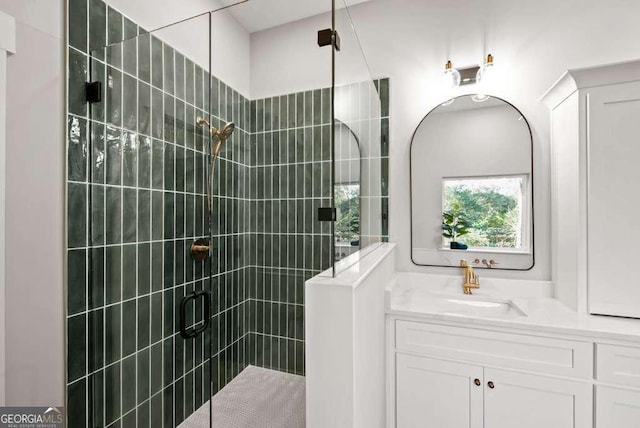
pixel 613 141
pixel 437 394
pixel 530 401
pixel 617 408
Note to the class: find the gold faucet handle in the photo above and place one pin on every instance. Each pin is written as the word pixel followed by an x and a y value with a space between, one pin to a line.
pixel 463 263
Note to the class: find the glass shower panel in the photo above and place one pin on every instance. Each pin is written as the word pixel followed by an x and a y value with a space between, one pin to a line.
pixel 357 159
pixel 149 336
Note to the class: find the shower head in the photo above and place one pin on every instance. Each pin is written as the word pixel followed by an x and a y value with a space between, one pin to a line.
pixel 220 134
pixel 226 131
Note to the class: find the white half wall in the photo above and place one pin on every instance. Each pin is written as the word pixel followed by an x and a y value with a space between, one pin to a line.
pixel 345 336
pixel 409 41
pixel 34 293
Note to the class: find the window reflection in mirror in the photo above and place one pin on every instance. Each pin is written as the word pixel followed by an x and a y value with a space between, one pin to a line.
pixel 347 192
pixel 494 209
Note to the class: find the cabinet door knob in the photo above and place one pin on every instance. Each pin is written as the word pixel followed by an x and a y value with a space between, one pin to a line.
pixel 491 385
pixel 477 382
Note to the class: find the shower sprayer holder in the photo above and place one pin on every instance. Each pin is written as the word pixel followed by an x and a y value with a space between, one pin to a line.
pixel 200 249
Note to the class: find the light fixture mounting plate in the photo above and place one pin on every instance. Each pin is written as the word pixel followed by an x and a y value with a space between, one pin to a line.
pixel 468 75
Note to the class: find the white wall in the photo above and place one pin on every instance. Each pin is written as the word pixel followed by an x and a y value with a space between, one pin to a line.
pixel 410 40
pixel 34 318
pixel 287 58
pixel 7 48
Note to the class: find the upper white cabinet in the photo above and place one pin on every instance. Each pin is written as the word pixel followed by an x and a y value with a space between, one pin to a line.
pixel 595 116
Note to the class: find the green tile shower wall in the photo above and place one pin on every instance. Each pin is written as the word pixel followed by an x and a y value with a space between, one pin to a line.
pixel 136 201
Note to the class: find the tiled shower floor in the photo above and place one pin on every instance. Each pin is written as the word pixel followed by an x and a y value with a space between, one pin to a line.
pixel 256 398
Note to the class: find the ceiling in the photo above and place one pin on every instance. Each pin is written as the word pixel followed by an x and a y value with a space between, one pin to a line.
pixel 258 15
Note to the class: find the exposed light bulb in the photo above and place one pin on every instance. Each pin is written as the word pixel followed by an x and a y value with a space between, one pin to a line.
pixel 484 79
pixel 451 76
pixel 485 72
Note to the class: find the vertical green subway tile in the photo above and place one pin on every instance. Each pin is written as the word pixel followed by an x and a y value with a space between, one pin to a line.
pixel 98 73
pixel 97 27
pixel 157 70
pixel 77 208
pixel 113 333
pixel 113 215
pixel 144 57
pixel 168 70
pixel 78 24
pixel 114 96
pixel 129 103
pixel 77 78
pixel 308 108
pixel 144 269
pixel 179 75
pixel 189 79
pixel 96 294
pixel 77 149
pixel 384 97
pixel 114 37
pixel 130 159
pixel 144 162
pixel 199 87
pixel 77 281
pixel 129 47
pixel 299 109
pixel 76 345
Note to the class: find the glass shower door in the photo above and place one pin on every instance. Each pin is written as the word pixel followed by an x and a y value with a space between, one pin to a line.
pixel 358 164
pixel 149 316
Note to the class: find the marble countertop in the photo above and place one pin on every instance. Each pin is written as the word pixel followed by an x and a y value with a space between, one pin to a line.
pixel 413 297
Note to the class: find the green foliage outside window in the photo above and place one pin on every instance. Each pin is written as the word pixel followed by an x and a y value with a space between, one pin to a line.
pixel 347 226
pixel 493 213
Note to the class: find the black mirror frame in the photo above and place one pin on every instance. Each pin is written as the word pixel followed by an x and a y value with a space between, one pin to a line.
pixel 533 230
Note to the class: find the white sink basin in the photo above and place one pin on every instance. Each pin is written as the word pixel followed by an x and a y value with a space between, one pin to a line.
pixel 477 307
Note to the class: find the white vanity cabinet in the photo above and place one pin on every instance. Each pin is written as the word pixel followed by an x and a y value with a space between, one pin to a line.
pixel 595 133
pixel 445 374
pixel 458 377
pixel 437 393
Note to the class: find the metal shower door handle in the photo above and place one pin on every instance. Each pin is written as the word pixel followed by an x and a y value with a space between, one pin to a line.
pixel 192 332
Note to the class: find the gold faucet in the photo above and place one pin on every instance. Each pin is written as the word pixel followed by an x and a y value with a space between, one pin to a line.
pixel 471 280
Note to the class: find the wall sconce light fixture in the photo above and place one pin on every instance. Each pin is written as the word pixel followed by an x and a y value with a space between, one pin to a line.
pixel 452 78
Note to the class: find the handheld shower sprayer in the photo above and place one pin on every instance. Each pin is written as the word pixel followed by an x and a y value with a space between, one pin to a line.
pixel 200 250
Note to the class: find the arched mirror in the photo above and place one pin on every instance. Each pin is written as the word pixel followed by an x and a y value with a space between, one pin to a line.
pixel 347 192
pixel 472 186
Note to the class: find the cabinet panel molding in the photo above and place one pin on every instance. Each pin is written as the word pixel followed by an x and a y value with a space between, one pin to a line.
pixel 531 353
pixel 529 401
pixel 617 408
pixel 434 393
pixel 619 365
